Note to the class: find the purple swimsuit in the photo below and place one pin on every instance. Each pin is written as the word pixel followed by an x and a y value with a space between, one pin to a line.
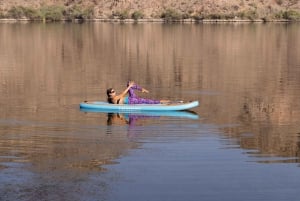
pixel 134 99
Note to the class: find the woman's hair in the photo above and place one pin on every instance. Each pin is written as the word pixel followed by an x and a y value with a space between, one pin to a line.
pixel 108 91
pixel 109 99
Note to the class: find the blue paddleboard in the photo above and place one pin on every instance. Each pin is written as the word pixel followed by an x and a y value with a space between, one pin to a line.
pixel 105 106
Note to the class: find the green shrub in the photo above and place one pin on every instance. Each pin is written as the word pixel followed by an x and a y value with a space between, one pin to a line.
pixel 16 12
pixel 288 15
pixel 72 13
pixel 88 13
pixel 198 17
pixel 122 15
pixel 279 15
pixel 32 14
pixel 49 13
pixel 186 15
pixel 249 14
pixel 291 15
pixel 77 12
pixel 52 13
pixel 214 16
pixel 171 15
pixel 229 16
pixel 137 15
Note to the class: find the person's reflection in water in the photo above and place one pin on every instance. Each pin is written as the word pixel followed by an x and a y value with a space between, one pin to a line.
pixel 125 119
pixel 116 118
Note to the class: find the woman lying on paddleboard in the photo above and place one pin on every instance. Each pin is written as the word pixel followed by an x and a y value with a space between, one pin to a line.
pixel 131 98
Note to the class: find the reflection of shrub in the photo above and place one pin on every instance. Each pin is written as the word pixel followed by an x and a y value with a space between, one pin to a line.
pixel 171 15
pixel 137 15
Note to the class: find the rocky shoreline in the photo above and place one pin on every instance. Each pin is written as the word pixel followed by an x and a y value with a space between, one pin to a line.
pixel 151 10
pixel 153 20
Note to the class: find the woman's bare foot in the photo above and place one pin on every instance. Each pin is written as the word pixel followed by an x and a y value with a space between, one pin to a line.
pixel 164 101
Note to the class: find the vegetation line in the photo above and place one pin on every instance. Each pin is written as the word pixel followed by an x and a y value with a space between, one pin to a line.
pixel 78 13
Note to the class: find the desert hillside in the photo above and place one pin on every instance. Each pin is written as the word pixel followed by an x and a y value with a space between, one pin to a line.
pixel 153 9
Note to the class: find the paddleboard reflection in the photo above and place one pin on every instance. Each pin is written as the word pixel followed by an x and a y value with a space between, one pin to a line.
pixel 136 119
pixel 143 114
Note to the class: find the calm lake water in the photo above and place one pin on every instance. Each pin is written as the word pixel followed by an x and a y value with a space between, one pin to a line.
pixel 241 143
